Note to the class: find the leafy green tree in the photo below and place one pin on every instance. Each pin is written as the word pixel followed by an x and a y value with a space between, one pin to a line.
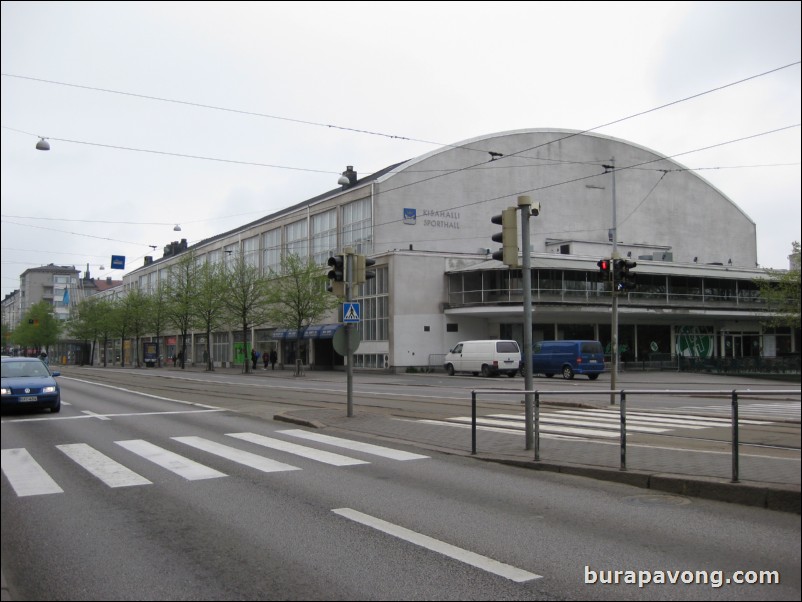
pixel 136 311
pixel 106 318
pixel 781 292
pixel 246 298
pixel 85 325
pixel 209 302
pixel 298 293
pixel 159 301
pixel 181 289
pixel 39 327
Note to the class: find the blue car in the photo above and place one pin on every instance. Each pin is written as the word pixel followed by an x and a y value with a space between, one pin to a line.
pixel 27 383
pixel 568 358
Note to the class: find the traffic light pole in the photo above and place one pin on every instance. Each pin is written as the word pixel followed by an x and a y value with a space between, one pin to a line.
pixel 525 204
pixel 614 286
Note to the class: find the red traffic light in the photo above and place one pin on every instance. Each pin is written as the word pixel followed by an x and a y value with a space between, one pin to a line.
pixel 604 265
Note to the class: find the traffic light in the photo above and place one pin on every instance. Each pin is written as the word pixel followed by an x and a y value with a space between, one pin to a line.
pixel 508 237
pixel 627 281
pixel 337 275
pixel 618 272
pixel 604 269
pixel 362 274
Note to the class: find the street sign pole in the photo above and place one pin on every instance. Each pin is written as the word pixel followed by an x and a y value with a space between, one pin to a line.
pixel 349 357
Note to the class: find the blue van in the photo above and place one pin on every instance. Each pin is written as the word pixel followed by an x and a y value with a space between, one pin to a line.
pixel 568 358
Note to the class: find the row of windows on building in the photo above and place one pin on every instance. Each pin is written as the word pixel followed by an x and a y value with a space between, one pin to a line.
pixel 314 237
pixel 499 286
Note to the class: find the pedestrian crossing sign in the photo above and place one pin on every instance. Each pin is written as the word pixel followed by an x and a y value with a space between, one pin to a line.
pixel 351 313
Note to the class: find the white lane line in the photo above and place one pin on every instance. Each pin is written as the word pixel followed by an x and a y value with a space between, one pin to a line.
pixel 236 455
pixel 435 545
pixel 376 450
pixel 94 415
pixel 108 416
pixel 25 474
pixel 298 450
pixel 100 465
pixel 183 467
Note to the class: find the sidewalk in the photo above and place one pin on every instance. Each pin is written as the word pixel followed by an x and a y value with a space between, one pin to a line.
pixel 768 482
pixel 772 483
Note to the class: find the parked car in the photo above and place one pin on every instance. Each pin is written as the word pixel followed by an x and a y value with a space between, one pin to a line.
pixel 491 358
pixel 568 358
pixel 29 384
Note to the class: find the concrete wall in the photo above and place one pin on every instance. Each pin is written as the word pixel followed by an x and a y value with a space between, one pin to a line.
pixel 659 203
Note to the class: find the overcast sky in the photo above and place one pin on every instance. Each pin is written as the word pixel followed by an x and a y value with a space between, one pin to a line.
pixel 260 83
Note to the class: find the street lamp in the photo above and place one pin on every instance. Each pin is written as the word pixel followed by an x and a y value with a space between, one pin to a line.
pixel 43 145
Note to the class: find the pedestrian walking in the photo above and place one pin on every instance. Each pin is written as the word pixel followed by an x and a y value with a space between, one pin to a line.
pixel 266 359
pixel 273 358
pixel 254 357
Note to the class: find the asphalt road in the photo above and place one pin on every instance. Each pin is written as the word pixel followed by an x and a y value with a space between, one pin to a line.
pixel 216 518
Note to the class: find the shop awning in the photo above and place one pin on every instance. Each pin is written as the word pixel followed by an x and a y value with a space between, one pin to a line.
pixel 327 330
pixel 315 331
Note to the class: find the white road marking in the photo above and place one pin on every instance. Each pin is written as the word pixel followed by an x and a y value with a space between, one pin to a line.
pixel 435 545
pixel 25 474
pixel 183 467
pixel 100 465
pixel 367 448
pixel 298 450
pixel 236 455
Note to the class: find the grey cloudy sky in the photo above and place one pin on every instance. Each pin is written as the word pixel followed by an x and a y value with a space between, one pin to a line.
pixel 126 165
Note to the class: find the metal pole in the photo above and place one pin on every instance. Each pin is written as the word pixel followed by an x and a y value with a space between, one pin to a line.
pixel 525 204
pixel 734 436
pixel 349 358
pixel 473 422
pixel 537 426
pixel 623 430
pixel 614 325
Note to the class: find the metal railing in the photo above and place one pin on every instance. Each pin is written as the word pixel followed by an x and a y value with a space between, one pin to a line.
pixel 622 397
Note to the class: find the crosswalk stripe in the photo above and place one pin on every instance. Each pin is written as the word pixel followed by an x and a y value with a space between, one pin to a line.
pixel 25 474
pixel 788 410
pixel 298 450
pixel 100 465
pixel 236 455
pixel 586 432
pixel 183 467
pixel 605 423
pixel 654 415
pixel 367 448
pixel 644 419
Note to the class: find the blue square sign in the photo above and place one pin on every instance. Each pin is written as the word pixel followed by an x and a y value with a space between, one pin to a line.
pixel 351 313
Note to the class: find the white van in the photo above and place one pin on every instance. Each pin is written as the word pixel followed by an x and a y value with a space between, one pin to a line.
pixel 488 357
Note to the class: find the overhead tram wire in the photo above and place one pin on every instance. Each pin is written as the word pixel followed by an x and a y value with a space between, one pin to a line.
pixel 481 164
pixel 363 131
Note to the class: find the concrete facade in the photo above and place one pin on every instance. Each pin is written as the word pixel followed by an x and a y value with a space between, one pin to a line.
pixel 426 221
